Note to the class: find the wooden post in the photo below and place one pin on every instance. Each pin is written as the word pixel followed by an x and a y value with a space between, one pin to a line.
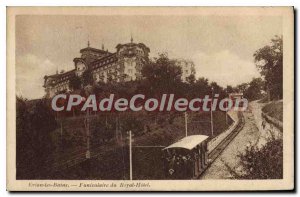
pixel 186 128
pixel 88 153
pixel 130 154
pixel 226 109
pixel 211 113
pixel 61 130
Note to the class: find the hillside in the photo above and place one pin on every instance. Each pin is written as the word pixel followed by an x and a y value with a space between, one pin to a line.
pixel 159 130
pixel 274 109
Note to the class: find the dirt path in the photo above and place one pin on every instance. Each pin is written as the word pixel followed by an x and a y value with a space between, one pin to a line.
pixel 227 164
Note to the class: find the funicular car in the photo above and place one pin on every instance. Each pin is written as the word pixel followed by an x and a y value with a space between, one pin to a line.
pixel 187 158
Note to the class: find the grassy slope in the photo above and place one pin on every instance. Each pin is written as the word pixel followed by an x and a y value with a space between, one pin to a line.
pixel 274 109
pixel 147 162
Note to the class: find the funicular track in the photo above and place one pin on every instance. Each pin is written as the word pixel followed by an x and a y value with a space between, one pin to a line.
pixel 213 155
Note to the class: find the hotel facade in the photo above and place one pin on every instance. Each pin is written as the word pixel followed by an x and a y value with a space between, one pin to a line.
pixel 123 65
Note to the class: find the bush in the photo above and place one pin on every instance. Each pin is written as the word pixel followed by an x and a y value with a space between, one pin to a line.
pixel 263 163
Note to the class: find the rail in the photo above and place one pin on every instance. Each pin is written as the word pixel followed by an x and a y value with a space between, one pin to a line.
pixel 218 149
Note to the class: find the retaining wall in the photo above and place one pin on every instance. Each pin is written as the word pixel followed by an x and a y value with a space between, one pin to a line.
pixel 213 143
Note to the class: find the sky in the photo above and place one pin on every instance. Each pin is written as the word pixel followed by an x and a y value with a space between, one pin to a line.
pixel 221 47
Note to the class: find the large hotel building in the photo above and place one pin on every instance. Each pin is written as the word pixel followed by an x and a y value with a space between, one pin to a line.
pixel 123 65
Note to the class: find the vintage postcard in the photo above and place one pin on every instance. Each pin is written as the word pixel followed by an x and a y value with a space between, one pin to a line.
pixel 150 98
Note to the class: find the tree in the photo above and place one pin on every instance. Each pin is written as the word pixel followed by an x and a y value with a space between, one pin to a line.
pixel 198 89
pixel 34 124
pixel 75 83
pixel 162 75
pixel 203 83
pixel 87 78
pixel 242 87
pixel 191 79
pixel 254 91
pixel 216 89
pixel 230 89
pixel 269 61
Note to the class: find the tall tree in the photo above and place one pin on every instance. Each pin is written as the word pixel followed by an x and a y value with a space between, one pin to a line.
pixel 34 124
pixel 199 88
pixel 254 91
pixel 191 79
pixel 230 89
pixel 162 75
pixel 242 87
pixel 216 89
pixel 269 60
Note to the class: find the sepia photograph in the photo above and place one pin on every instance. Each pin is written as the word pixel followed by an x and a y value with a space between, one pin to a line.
pixel 150 99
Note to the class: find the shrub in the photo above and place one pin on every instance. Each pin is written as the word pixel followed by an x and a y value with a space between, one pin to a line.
pixel 263 163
